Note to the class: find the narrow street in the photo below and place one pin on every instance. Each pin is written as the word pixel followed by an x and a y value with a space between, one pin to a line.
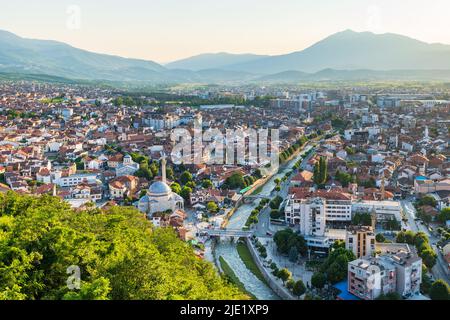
pixel 438 270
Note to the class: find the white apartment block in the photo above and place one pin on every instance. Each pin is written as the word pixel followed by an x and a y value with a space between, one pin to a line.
pixel 316 217
pixel 73 180
pixel 394 270
pixel 370 277
pixel 308 215
pixel 313 213
pixel 159 122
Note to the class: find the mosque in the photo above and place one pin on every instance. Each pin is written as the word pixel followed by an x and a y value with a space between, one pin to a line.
pixel 160 197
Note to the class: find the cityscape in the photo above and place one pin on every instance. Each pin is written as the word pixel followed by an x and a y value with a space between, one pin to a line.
pixel 322 174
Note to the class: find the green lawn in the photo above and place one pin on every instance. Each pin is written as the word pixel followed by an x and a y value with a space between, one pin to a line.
pixel 247 258
pixel 232 276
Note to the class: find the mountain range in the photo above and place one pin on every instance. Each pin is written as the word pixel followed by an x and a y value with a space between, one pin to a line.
pixel 346 55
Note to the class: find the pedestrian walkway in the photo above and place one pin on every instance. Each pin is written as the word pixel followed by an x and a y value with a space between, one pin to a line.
pixel 298 271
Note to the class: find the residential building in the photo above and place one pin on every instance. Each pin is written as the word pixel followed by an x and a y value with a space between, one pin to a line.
pixel 360 240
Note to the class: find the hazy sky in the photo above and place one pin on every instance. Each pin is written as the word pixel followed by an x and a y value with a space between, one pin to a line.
pixel 165 30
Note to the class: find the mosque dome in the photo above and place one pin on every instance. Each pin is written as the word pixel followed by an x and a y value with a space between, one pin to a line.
pixel 159 188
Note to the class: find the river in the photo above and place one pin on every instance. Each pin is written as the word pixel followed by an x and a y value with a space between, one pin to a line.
pixel 228 251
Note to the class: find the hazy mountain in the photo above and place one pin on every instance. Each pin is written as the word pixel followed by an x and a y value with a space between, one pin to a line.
pixel 355 75
pixel 55 58
pixel 349 50
pixel 346 55
pixel 286 76
pixel 213 61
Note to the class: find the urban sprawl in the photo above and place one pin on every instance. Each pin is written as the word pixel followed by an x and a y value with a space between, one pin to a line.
pixel 358 208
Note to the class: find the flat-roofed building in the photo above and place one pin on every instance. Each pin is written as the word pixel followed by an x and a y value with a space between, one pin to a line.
pixel 385 210
pixel 360 240
pixel 396 269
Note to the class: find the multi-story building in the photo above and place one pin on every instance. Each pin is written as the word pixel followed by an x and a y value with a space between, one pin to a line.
pixel 324 213
pixel 308 215
pixel 398 271
pixel 162 121
pixel 319 216
pixel 360 240
pixel 74 179
pixel 385 210
pixel 307 209
pixel 370 277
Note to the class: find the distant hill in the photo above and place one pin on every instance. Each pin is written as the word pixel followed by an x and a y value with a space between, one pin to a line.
pixel 356 75
pixel 349 50
pixel 58 59
pixel 346 55
pixel 213 61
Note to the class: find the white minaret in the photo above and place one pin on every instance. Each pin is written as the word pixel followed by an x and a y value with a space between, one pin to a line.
pixel 426 134
pixel 163 168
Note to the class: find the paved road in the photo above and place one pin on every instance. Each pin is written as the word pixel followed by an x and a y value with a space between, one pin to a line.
pixel 438 270
pixel 264 226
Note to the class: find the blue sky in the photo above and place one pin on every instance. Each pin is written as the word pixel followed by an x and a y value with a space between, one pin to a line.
pixel 165 30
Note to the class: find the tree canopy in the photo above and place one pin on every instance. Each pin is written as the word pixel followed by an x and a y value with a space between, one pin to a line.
pixel 118 252
pixel 287 239
pixel 440 290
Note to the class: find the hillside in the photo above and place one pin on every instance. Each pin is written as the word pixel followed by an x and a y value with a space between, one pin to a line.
pixel 349 50
pixel 212 61
pixel 120 255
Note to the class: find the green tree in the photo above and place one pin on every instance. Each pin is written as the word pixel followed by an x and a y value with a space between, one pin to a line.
pixel 154 168
pixel 444 215
pixel 207 184
pixel 362 219
pixel 299 288
pixel 320 176
pixel 235 181
pixel 176 188
pixel 185 177
pixel 274 214
pixel 286 239
pixel 380 238
pixel 284 274
pixel 290 284
pixel 318 280
pixel 338 244
pixel 212 207
pixel 186 193
pixel 191 184
pixel 429 257
pixel 440 290
pixel 427 201
pixel 97 290
pixel 336 265
pixel 119 253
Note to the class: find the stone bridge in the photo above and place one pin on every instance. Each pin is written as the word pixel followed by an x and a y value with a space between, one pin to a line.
pixel 226 233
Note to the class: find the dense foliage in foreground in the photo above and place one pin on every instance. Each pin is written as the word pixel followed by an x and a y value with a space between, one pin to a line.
pixel 118 252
